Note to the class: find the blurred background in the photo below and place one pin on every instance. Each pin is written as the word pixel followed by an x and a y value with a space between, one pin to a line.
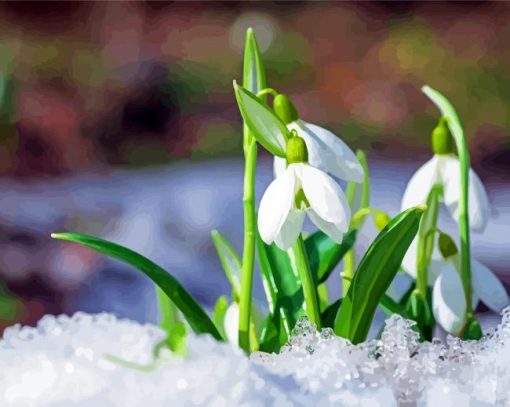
pixel 118 119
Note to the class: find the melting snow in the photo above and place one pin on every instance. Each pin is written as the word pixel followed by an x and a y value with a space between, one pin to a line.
pixel 75 361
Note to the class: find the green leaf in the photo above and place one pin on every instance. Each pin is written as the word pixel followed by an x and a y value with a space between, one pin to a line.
pixel 220 309
pixel 266 127
pixel 329 314
pixel 191 310
pixel 324 254
pixel 229 261
pixel 282 286
pixel 269 337
pixel 390 306
pixel 374 275
pixel 254 74
pixel 171 323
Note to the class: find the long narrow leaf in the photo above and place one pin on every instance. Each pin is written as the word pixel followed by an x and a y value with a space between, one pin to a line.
pixel 191 310
pixel 374 275
pixel 229 261
pixel 254 74
pixel 324 254
pixel 282 285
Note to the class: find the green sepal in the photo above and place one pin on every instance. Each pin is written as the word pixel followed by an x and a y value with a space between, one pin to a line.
pixel 297 152
pixel 285 109
pixel 447 245
pixel 442 140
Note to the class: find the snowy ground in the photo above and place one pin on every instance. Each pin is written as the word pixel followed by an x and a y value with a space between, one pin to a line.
pixel 72 361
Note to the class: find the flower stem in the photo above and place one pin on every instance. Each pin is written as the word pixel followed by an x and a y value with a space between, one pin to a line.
pixel 348 271
pixel 254 79
pixel 299 261
pixel 267 91
pixel 354 189
pixel 250 153
pixel 465 246
pixel 426 239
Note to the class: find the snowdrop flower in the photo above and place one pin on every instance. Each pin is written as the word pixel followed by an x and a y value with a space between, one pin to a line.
pixel 448 299
pixel 443 168
pixel 325 150
pixel 301 189
pixel 231 324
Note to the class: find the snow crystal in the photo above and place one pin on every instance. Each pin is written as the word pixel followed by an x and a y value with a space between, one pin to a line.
pixel 96 360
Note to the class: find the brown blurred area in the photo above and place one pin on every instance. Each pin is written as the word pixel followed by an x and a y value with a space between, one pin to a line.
pixel 145 82
pixel 104 85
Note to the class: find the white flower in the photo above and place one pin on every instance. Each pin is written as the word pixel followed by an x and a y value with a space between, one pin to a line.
pixel 445 169
pixel 231 324
pixel 325 151
pixel 302 188
pixel 448 299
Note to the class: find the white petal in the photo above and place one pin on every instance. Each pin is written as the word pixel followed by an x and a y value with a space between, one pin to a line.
pixel 478 201
pixel 488 288
pixel 279 166
pixel 231 323
pixel 334 231
pixel 420 184
pixel 325 196
pixel 409 261
pixel 474 300
pixel 290 229
pixel 275 205
pixel 448 301
pixel 436 266
pixel 340 160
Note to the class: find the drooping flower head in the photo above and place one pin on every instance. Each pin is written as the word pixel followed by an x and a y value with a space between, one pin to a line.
pixel 326 151
pixel 443 168
pixel 298 190
pixel 448 299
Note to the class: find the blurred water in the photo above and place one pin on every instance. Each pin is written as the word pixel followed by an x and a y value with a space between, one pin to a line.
pixel 167 214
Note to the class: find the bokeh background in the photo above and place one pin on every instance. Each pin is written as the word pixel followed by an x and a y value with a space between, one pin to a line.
pixel 118 119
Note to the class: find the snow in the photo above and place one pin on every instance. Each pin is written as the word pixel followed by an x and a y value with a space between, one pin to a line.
pixel 100 360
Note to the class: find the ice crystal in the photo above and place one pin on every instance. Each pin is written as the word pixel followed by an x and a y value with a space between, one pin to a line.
pixel 91 360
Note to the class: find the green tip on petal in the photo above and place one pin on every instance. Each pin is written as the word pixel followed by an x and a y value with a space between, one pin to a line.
pixel 442 140
pixel 285 109
pixel 447 246
pixel 296 150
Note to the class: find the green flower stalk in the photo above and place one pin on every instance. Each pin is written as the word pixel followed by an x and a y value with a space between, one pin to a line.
pixel 355 190
pixel 254 79
pixel 443 145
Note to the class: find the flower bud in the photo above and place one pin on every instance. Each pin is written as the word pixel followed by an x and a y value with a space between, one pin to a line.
pixel 447 246
pixel 442 140
pixel 285 109
pixel 296 150
pixel 381 219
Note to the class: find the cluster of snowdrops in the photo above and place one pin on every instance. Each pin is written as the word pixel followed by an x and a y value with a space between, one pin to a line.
pixel 294 266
